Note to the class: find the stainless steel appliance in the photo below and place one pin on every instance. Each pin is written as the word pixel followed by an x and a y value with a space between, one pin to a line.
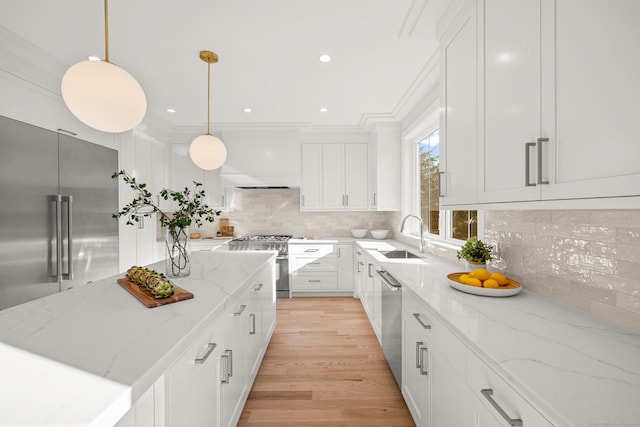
pixel 269 242
pixel 392 323
pixel 57 197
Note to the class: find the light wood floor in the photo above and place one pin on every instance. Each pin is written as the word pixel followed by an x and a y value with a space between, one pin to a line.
pixel 324 367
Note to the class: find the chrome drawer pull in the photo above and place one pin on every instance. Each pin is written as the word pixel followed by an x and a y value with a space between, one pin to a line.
pixel 424 325
pixel 312 250
pixel 527 164
pixel 423 371
pixel 487 393
pixel 253 323
pixel 239 312
pixel 419 345
pixel 199 360
pixel 540 141
pixel 314 281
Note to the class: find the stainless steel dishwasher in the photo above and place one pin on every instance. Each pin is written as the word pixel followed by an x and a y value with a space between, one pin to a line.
pixel 392 323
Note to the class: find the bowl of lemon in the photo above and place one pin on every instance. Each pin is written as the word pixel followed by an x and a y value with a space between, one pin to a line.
pixel 482 282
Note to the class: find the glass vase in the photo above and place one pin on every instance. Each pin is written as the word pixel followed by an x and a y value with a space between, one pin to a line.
pixel 178 252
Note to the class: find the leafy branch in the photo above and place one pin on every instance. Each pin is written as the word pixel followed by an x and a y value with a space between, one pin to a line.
pixel 192 210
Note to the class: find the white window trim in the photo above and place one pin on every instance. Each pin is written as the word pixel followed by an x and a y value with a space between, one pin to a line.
pixel 411 204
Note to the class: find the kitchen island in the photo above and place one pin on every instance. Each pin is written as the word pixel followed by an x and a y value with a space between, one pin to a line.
pixel 87 355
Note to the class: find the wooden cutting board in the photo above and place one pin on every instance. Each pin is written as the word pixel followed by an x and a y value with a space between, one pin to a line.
pixel 145 296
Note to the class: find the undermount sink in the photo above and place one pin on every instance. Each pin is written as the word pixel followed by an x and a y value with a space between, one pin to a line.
pixel 399 254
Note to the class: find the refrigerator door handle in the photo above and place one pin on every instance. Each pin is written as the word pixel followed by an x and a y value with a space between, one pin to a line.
pixel 69 201
pixel 55 260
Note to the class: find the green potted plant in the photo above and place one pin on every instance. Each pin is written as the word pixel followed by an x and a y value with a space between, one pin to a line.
pixel 476 253
pixel 191 211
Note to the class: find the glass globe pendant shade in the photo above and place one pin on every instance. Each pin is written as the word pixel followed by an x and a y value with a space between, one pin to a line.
pixel 208 152
pixel 103 96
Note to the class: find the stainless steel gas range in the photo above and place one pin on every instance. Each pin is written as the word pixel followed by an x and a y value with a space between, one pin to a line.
pixel 264 243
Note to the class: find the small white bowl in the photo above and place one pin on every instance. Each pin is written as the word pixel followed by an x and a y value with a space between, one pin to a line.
pixel 360 233
pixel 379 234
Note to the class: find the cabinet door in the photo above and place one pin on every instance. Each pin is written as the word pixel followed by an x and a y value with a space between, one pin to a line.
pixel 333 176
pixel 594 63
pixel 510 70
pixel 253 329
pixel 214 190
pixel 311 192
pixel 356 176
pixel 345 267
pixel 459 127
pixel 415 379
pixel 360 272
pixel 448 391
pixel 183 170
pixel 233 367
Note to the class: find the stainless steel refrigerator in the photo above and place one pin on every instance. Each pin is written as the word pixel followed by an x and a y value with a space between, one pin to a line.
pixel 56 201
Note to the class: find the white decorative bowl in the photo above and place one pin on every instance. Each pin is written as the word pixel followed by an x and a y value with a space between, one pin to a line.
pixel 379 234
pixel 360 233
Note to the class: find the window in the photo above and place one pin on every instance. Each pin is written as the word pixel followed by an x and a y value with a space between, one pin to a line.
pixel 447 224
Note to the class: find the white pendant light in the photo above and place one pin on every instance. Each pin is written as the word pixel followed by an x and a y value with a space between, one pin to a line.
pixel 103 95
pixel 207 151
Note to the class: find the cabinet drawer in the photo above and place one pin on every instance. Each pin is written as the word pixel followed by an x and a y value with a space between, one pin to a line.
pixel 320 249
pixel 186 371
pixel 319 281
pixel 441 337
pixel 324 263
pixel 482 377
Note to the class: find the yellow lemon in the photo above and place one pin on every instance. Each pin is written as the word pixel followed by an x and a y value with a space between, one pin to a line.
pixel 464 278
pixel 472 281
pixel 500 278
pixel 490 283
pixel 480 274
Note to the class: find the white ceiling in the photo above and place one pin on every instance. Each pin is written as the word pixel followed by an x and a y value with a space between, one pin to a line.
pixel 268 53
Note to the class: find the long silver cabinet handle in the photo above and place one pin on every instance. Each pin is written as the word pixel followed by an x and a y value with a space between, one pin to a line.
pixel 440 193
pixel 540 141
pixel 258 287
pixel 487 393
pixel 69 201
pixel 423 371
pixel 527 164
pixel 200 360
pixel 375 199
pixel 253 324
pixel 424 325
pixel 314 280
pixel 370 273
pixel 239 312
pixel 56 266
pixel 419 345
pixel 227 372
pixel 312 250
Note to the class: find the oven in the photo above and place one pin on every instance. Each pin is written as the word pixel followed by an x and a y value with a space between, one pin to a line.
pixel 269 242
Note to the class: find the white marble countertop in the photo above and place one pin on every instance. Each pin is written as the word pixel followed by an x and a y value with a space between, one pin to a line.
pixel 331 239
pixel 576 369
pixel 84 356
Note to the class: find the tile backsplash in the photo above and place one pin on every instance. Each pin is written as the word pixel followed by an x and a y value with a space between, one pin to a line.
pixel 277 211
pixel 589 260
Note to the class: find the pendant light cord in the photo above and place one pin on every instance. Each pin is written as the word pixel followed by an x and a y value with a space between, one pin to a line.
pixel 209 98
pixel 106 30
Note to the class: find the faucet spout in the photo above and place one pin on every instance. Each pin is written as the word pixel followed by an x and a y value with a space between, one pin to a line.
pixel 404 220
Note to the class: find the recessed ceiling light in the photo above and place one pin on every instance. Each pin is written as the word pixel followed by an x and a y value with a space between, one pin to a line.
pixel 323 109
pixel 94 58
pixel 170 110
pixel 247 110
pixel 325 58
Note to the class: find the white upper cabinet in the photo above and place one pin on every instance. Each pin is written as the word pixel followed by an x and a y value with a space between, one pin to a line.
pixel 183 172
pixel 311 191
pixel 459 124
pixel 510 70
pixel 384 168
pixel 591 48
pixel 334 177
pixel 557 103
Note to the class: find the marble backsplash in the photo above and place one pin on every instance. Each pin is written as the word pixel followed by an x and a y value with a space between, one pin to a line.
pixel 277 211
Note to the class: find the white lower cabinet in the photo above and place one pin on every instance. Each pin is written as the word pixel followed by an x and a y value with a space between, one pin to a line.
pixel 321 268
pixel 444 383
pixel 208 385
pixel 371 297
